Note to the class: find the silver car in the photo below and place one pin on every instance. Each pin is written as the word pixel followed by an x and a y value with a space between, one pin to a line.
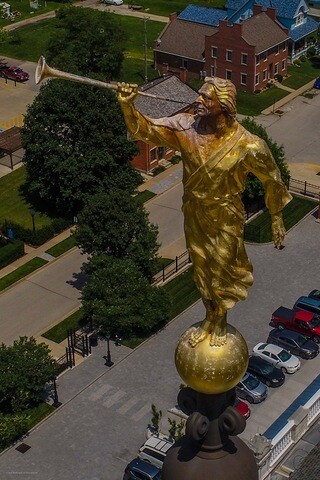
pixel 251 389
pixel 278 356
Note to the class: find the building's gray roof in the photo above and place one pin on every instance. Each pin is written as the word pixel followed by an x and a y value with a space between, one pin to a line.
pixel 168 87
pixel 262 32
pixel 310 466
pixel 185 39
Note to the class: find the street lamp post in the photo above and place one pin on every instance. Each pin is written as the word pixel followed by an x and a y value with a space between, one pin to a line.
pixel 32 213
pixel 109 363
pixel 56 402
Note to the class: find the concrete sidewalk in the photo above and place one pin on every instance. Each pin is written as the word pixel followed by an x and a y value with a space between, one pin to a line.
pixel 283 101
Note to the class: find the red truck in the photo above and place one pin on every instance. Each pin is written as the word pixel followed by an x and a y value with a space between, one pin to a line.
pixel 300 321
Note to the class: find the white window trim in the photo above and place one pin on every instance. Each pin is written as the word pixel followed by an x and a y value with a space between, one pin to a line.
pixel 212 47
pixel 213 71
pixel 230 75
pixel 258 58
pixel 284 48
pixel 227 60
pixel 257 82
pixel 242 63
pixel 277 49
pixel 276 68
pixel 265 56
pixel 265 75
pixel 283 64
pixel 246 75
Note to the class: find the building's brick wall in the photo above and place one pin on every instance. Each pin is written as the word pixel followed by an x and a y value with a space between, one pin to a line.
pixel 168 64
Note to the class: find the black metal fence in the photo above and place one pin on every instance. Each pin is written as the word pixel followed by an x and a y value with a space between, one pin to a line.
pixel 65 361
pixel 304 188
pixel 169 270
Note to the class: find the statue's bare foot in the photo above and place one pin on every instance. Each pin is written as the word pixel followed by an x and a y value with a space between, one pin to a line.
pixel 198 336
pixel 219 333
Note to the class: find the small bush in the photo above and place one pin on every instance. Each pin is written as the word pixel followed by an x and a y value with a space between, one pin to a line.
pixel 303 58
pixel 11 428
pixel 278 77
pixel 315 60
pixel 311 51
pixel 175 159
pixel 158 169
pixel 10 252
pixel 296 62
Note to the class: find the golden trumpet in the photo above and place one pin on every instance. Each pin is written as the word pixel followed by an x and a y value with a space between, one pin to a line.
pixel 43 71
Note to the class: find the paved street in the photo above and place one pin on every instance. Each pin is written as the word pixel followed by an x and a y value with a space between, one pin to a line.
pixel 99 431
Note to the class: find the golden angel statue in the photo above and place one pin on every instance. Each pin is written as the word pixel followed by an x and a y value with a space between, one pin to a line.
pixel 217 154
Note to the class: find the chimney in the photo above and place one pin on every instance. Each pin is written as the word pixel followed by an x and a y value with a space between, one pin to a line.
pixel 257 9
pixel 183 74
pixel 173 16
pixel 271 12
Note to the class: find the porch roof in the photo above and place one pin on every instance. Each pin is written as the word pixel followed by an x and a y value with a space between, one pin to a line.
pixel 10 140
pixel 305 29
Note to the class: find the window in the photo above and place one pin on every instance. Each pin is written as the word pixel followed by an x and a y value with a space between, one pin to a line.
pixel 243 79
pixel 185 64
pixel 229 55
pixel 283 65
pixel 153 154
pixel 229 74
pixel 161 152
pixel 257 59
pixel 264 74
pixel 276 68
pixel 213 71
pixel 300 17
pixel 214 52
pixel 257 78
pixel 277 49
pixel 284 46
pixel 244 59
pixel 274 357
pixel 265 56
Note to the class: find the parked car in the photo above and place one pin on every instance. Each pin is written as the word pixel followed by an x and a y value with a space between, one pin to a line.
pixel 301 321
pixel 242 408
pixel 266 372
pixel 294 342
pixel 317 83
pixel 14 73
pixel 139 469
pixel 154 450
pixel 309 304
pixel 315 293
pixel 277 356
pixel 113 2
pixel 251 389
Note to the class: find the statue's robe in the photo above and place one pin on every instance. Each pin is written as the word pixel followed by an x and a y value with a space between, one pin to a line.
pixel 214 175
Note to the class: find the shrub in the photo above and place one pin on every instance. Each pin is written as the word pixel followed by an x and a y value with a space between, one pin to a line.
pixel 40 235
pixel 303 58
pixel 158 169
pixel 297 62
pixel 10 252
pixel 311 51
pixel 11 428
pixel 315 60
pixel 279 77
pixel 175 159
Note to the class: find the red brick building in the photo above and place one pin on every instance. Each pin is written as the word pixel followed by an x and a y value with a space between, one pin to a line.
pixel 250 53
pixel 169 87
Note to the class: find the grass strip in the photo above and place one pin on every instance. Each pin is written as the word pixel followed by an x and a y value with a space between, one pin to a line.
pixel 62 247
pixel 60 331
pixel 38 413
pixel 144 196
pixel 259 229
pixel 21 272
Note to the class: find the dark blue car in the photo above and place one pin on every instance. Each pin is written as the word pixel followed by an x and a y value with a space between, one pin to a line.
pixel 140 470
pixel 317 83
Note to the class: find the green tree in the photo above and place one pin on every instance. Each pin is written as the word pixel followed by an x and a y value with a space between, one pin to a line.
pixel 76 145
pixel 11 428
pixel 25 367
pixel 88 42
pixel 116 224
pixel 254 188
pixel 120 300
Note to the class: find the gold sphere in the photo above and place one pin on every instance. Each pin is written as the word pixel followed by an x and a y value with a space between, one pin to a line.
pixel 209 369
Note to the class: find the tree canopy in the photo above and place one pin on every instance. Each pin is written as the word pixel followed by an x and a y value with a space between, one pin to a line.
pixel 25 367
pixel 120 300
pixel 76 144
pixel 88 42
pixel 116 224
pixel 254 188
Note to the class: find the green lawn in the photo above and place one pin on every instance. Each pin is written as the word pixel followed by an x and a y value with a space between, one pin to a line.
pixel 21 272
pixel 259 229
pixel 12 204
pixel 144 196
pixel 62 247
pixel 251 104
pixel 299 76
pixel 166 7
pixel 23 6
pixel 59 332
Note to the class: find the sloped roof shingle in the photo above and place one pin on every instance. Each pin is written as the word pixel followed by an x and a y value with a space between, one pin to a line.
pixel 186 39
pixel 262 32
pixel 204 15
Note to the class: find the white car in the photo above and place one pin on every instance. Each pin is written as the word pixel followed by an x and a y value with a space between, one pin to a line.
pixel 277 356
pixel 154 450
pixel 113 2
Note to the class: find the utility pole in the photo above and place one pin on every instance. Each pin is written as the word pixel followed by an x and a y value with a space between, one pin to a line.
pixel 145 50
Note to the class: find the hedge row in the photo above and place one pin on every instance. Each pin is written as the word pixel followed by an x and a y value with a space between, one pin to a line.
pixel 10 252
pixel 40 235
